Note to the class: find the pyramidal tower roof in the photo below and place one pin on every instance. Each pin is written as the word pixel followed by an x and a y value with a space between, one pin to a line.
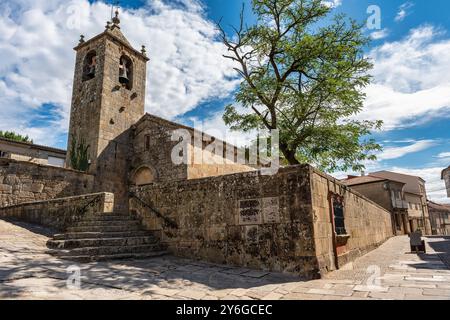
pixel 115 28
pixel 112 29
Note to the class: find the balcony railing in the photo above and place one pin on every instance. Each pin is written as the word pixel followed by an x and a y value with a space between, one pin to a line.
pixel 399 204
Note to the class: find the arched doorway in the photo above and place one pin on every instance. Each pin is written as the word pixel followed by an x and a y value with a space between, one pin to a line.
pixel 143 175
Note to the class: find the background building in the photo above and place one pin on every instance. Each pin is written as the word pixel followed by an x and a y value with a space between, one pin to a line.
pixel 388 194
pixel 24 151
pixel 446 177
pixel 440 218
pixel 403 195
pixel 415 196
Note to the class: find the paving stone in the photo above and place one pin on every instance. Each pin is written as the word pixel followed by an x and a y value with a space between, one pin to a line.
pixel 301 296
pixel 192 294
pixel 371 288
pixel 32 274
pixel 436 292
pixel 272 296
pixel 239 292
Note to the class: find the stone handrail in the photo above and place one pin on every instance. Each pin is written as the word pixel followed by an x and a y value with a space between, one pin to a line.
pixel 59 213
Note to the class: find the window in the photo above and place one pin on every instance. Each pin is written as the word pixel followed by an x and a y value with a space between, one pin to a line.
pixel 147 142
pixel 57 162
pixel 338 212
pixel 89 66
pixel 126 72
pixel 3 154
pixel 398 222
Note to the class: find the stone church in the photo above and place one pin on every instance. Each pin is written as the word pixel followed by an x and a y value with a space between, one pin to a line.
pixel 125 144
pixel 133 201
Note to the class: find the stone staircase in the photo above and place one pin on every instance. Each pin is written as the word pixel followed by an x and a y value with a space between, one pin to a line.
pixel 105 236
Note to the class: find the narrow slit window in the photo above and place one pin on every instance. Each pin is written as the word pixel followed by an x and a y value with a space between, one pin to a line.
pixel 339 221
pixel 147 142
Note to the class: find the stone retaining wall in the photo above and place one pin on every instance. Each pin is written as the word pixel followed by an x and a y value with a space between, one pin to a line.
pixel 279 223
pixel 243 219
pixel 59 213
pixel 25 182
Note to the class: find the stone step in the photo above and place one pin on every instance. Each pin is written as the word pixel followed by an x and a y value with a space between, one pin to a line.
pixel 92 235
pixel 96 217
pixel 106 250
pixel 101 242
pixel 108 228
pixel 121 256
pixel 95 223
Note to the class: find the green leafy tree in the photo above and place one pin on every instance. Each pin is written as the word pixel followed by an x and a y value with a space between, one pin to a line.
pixel 79 155
pixel 15 136
pixel 303 73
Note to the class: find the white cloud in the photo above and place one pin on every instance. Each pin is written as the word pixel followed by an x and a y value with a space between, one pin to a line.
pixel 411 80
pixel 37 59
pixel 332 3
pixel 390 153
pixel 381 34
pixel 443 155
pixel 403 11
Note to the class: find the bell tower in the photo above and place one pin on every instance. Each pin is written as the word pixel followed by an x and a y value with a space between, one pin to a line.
pixel 108 98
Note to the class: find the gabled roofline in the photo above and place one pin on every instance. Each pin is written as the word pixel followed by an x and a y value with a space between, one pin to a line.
pixel 374 181
pixel 108 34
pixel 403 174
pixel 32 145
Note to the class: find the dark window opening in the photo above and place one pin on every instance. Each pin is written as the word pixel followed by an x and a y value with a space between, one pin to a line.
pixel 339 223
pixel 398 222
pixel 89 66
pixel 126 72
pixel 147 143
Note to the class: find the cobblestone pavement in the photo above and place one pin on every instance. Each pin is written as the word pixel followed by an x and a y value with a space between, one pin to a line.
pixel 388 272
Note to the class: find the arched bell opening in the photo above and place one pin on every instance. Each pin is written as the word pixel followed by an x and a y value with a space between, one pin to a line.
pixel 89 65
pixel 126 72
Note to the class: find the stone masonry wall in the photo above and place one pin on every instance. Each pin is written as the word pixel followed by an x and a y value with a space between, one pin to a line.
pixel 244 219
pixel 153 147
pixel 59 213
pixel 367 224
pixel 24 182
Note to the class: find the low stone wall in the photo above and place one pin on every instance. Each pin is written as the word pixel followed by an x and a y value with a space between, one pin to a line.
pixel 25 182
pixel 367 224
pixel 243 219
pixel 59 213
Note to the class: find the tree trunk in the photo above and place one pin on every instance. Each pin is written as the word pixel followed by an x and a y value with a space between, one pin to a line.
pixel 289 154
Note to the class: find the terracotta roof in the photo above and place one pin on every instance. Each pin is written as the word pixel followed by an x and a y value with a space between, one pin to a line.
pixel 411 182
pixel 34 146
pixel 438 206
pixel 361 180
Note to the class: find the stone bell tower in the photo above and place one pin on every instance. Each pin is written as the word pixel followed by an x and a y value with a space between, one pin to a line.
pixel 108 98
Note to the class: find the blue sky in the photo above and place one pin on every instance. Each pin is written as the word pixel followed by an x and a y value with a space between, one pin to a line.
pixel 188 81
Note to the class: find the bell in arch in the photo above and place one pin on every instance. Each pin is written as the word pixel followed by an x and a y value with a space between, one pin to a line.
pixel 123 73
pixel 91 69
